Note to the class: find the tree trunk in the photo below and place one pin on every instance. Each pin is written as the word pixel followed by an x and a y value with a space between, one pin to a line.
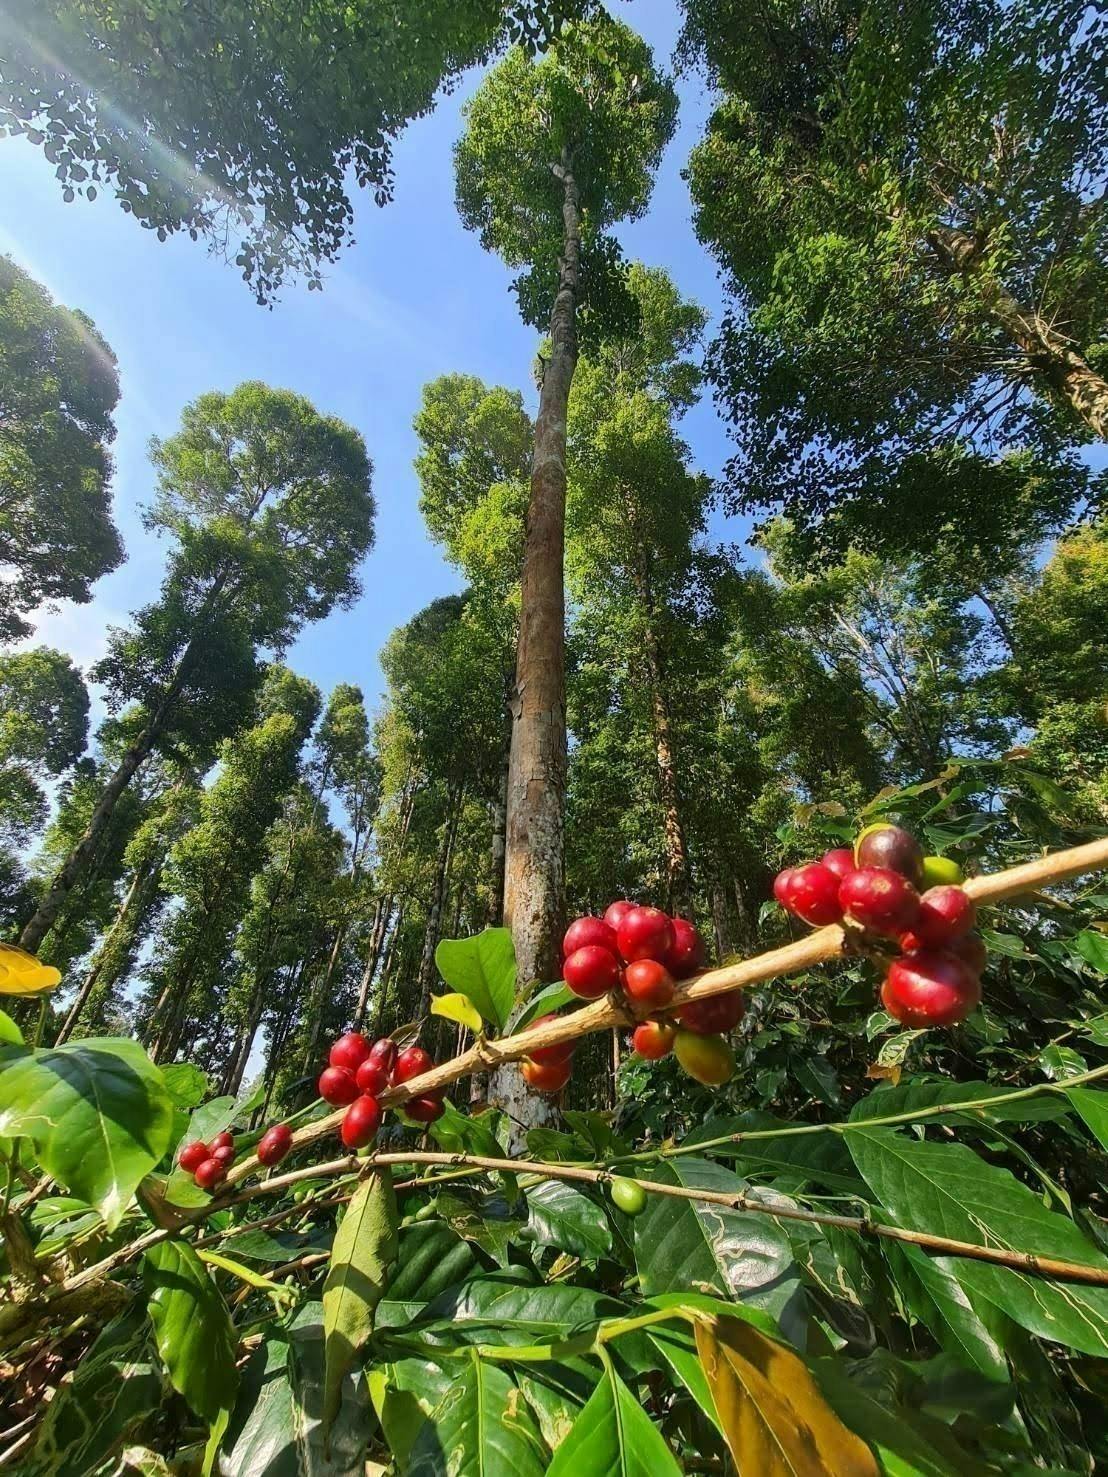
pixel 721 923
pixel 433 929
pixel 143 884
pixel 381 910
pixel 236 1068
pixel 1053 356
pixel 497 850
pixel 386 969
pixel 82 854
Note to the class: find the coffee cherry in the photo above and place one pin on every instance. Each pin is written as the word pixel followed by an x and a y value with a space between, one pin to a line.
pixel 362 1120
pixel 559 1053
pixel 814 894
pixel 349 1051
pixel 193 1155
pixel 707 1058
pixel 210 1174
pixel 384 1053
pixel 274 1144
pixel 645 933
pixel 883 845
pixel 971 950
pixel 688 954
pixel 337 1086
pixel 653 1040
pixel 591 972
pixel 714 1016
pixel 425 1109
pixel 616 912
pixel 584 931
pixel 942 871
pixel 371 1077
pixel 879 900
pixel 782 886
pixel 545 1076
pixel 648 983
pixel 839 860
pixel 945 914
pixel 411 1063
pixel 224 1140
pixel 225 1155
pixel 931 988
pixel 628 1196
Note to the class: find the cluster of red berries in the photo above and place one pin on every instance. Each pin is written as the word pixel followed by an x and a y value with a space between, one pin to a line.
pixel 359 1070
pixel 208 1163
pixel 642 952
pixel 889 890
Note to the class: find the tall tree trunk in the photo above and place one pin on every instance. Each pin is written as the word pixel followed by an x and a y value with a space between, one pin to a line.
pixel 382 909
pixel 433 928
pixel 676 847
pixel 387 968
pixel 236 1067
pixel 82 854
pixel 499 840
pixel 1049 353
pixel 721 923
pixel 534 866
pixel 143 885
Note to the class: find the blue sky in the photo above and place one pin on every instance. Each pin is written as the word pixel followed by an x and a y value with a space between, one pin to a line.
pixel 413 298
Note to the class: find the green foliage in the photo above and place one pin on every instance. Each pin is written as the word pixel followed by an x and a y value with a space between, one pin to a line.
pixel 483 969
pixel 192 1328
pixel 58 389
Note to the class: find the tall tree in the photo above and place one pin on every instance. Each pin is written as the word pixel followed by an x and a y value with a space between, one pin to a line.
pixel 553 154
pixel 43 732
pixel 58 389
pixel 135 97
pixel 270 507
pixel 908 202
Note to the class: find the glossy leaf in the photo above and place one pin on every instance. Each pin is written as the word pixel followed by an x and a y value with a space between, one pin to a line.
pixel 911 1097
pixel 9 1031
pixel 96 1111
pixel 561 1215
pixel 937 1298
pixel 949 1190
pixel 1093 1108
pixel 488 1309
pixel 192 1327
pixel 186 1084
pixel 613 1435
pixel 483 969
pixel 774 1418
pixel 542 1002
pixel 482 1427
pixel 363 1250
pixel 893 1431
pixel 820 1157
pixel 1093 948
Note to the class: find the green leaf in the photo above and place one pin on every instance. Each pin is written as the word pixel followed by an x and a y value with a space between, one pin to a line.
pixel 936 1297
pixel 678 1348
pixel 1093 948
pixel 192 1328
pixel 1093 1108
pixel 949 1190
pixel 457 1008
pixel 186 1084
pixel 739 1254
pixel 613 1435
pixel 405 1395
pixel 911 1097
pixel 277 1425
pixel 820 1157
pixel 561 1215
pixel 1060 1062
pixel 96 1111
pixel 904 1450
pixel 114 1389
pixel 510 1312
pixel 431 1258
pixel 774 1417
pixel 542 1002
pixel 483 969
pixel 364 1248
pixel 9 1031
pixel 482 1427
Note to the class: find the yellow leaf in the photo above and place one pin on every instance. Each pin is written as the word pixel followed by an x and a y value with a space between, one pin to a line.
pixel 22 974
pixel 457 1008
pixel 776 1422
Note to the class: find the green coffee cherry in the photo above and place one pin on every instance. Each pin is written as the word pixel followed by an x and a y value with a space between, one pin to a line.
pixel 628 1196
pixel 941 871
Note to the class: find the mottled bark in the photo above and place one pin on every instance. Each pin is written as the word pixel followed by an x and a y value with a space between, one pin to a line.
pixel 1051 355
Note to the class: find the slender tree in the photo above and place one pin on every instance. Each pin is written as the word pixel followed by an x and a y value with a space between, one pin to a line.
pixel 554 153
pixel 270 507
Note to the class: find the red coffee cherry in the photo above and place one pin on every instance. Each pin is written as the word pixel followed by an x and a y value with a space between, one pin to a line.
pixel 337 1086
pixel 349 1051
pixel 616 912
pixel 411 1063
pixel 384 1053
pixel 813 894
pixel 224 1140
pixel 584 931
pixel 225 1155
pixel 688 953
pixel 274 1144
pixel 193 1155
pixel 653 1040
pixel 362 1120
pixel 545 1076
pixel 945 914
pixel 210 1174
pixel 645 933
pixel 371 1077
pixel 931 988
pixel 591 972
pixel 648 983
pixel 559 1053
pixel 782 886
pixel 886 846
pixel 714 1016
pixel 879 900
pixel 839 860
pixel 425 1109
